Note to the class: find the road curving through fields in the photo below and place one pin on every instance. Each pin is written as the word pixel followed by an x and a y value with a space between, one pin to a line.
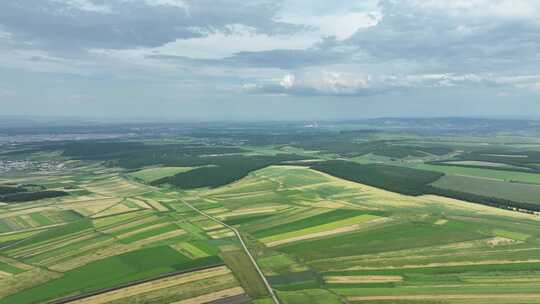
pixel 239 236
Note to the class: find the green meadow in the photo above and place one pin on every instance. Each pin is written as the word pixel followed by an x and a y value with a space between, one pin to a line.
pixel 526 193
pixel 487 173
pixel 110 272
pixel 153 174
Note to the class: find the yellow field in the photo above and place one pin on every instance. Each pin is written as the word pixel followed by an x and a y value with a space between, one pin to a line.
pixel 116 186
pixel 337 227
pixel 208 298
pixel 189 250
pixel 362 279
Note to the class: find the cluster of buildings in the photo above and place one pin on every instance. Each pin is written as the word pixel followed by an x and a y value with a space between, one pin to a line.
pixel 25 165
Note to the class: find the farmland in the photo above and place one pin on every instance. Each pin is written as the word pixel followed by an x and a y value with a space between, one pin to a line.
pixel 328 217
pixel 416 239
pixel 527 193
pixel 115 233
pixel 153 174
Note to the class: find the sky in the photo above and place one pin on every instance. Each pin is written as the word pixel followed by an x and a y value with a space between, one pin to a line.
pixel 270 60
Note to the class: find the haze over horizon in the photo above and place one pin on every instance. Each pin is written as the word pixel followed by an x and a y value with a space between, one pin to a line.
pixel 269 60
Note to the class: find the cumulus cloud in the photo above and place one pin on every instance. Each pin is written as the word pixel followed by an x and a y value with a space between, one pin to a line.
pixel 323 83
pixel 288 81
pixel 341 25
pixel 327 83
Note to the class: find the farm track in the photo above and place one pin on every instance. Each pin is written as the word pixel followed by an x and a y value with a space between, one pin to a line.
pixel 239 236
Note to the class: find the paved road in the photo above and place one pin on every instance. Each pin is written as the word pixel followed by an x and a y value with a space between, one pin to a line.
pixel 239 236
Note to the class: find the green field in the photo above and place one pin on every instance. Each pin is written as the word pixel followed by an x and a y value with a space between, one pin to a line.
pixel 9 268
pixel 312 221
pixel 506 175
pixel 37 220
pixel 153 174
pixel 321 228
pixel 423 240
pixel 245 273
pixel 394 237
pixel 112 272
pixel 316 296
pixel 527 193
pixel 50 251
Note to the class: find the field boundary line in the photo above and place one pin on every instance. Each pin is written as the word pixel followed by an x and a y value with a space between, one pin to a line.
pixel 239 236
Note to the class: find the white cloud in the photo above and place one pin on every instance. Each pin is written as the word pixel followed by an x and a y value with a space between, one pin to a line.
pixel 176 3
pixel 352 84
pixel 240 39
pixel 330 82
pixel 525 82
pixel 86 5
pixel 340 25
pixel 483 8
pixel 288 81
pixel 91 6
pixel 5 35
pixel 219 45
pixel 171 3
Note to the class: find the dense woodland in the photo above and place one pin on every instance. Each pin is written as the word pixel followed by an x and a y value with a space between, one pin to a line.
pixel 30 196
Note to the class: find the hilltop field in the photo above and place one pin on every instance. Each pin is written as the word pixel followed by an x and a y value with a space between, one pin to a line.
pixel 147 222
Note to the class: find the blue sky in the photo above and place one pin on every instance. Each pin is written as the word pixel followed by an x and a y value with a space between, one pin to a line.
pixel 270 60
